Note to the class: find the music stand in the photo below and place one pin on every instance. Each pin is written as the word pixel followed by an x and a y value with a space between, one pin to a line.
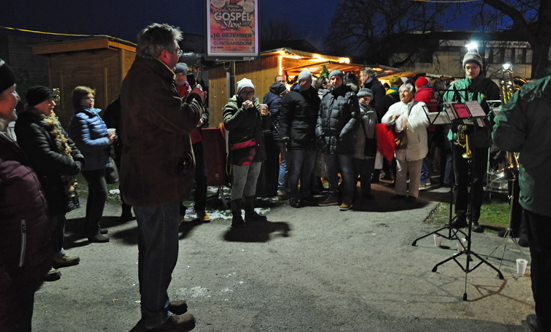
pixel 466 250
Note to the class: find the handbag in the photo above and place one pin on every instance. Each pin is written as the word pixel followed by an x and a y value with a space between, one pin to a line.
pixel 243 153
pixel 400 138
pixel 111 172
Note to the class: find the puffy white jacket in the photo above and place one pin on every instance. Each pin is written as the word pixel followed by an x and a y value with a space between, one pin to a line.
pixel 417 123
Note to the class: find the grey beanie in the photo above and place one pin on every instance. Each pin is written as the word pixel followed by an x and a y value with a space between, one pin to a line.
pixel 336 72
pixel 365 92
pixel 474 57
pixel 244 83
pixel 304 75
pixel 181 67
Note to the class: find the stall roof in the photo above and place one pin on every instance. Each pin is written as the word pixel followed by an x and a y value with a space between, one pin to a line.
pixel 331 63
pixel 84 45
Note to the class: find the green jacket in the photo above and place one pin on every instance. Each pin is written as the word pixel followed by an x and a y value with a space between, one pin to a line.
pixel 523 126
pixel 482 89
pixel 244 125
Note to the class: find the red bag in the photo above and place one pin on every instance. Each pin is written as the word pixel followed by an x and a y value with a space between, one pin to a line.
pixel 385 140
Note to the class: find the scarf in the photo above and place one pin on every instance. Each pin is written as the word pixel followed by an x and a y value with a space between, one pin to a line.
pixel 52 125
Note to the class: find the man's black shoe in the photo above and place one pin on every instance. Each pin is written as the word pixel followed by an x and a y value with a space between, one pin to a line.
pixel 532 321
pixel 457 222
pixel 476 227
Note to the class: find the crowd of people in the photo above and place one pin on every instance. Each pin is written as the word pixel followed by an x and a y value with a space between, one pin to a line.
pixel 330 128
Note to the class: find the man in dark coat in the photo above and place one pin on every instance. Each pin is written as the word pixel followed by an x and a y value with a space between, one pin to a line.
pixel 157 167
pixel 298 117
pixel 335 132
pixel 368 80
pixel 523 126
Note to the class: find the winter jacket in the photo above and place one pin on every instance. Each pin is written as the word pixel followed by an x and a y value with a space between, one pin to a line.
pixel 378 94
pixel 298 118
pixel 89 133
pixel 246 124
pixel 197 134
pixel 21 264
pixel 273 101
pixel 338 113
pixel 392 97
pixel 157 164
pixel 480 89
pixel 39 145
pixel 523 126
pixel 426 95
pixel 418 122
pixel 369 119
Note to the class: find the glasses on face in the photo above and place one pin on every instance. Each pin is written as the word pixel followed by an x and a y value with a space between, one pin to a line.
pixel 89 98
pixel 178 51
pixel 471 67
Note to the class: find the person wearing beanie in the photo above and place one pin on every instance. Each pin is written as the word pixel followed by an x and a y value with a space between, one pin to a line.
pixel 365 148
pixel 273 175
pixel 474 87
pixel 297 123
pixel 180 79
pixel 56 160
pixel 245 120
pixel 425 94
pixel 22 205
pixel 335 129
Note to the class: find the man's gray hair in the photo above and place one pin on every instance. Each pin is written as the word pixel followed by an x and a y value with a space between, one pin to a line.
pixel 155 38
pixel 369 71
pixel 408 86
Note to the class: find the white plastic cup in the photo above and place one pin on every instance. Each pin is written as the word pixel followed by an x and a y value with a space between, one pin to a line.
pixel 264 109
pixel 461 244
pixel 521 266
pixel 437 240
pixel 111 131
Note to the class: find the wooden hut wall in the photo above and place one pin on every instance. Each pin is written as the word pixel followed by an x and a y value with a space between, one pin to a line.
pixel 262 72
pixel 99 69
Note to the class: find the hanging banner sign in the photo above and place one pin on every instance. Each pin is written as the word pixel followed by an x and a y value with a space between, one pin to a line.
pixel 232 29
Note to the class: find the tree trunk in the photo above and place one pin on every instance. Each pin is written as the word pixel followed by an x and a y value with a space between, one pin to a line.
pixel 540 57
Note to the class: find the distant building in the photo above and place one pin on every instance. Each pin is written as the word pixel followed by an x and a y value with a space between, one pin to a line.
pixel 441 53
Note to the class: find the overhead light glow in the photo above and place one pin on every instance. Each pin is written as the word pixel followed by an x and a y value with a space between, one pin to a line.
pixel 472 46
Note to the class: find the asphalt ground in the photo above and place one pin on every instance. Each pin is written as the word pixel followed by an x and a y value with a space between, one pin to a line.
pixel 307 269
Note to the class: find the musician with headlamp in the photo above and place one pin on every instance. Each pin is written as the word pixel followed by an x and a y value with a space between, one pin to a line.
pixel 474 87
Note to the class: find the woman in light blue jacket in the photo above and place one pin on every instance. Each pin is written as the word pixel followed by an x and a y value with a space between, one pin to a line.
pixel 90 135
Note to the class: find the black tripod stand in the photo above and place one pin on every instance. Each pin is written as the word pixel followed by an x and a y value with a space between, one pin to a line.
pixel 467 250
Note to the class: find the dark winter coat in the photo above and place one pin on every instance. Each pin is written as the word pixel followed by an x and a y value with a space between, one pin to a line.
pixel 298 118
pixel 273 101
pixel 335 129
pixel 89 133
pixel 246 124
pixel 388 100
pixel 21 199
pixel 523 126
pixel 378 94
pixel 155 127
pixel 40 147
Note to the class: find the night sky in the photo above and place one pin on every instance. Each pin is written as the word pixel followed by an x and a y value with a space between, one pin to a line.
pixel 124 18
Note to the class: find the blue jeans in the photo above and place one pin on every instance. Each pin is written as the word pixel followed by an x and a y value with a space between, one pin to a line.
pixel 332 163
pixel 59 233
pixel 283 167
pixel 301 165
pixel 97 195
pixel 157 256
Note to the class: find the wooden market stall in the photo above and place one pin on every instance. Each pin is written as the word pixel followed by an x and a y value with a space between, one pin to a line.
pixel 100 63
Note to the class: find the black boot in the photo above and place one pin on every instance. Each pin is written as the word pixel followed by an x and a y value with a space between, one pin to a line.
pixel 475 225
pixel 237 219
pixel 250 215
pixel 457 222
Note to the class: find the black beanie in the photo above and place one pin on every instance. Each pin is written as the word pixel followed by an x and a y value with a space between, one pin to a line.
pixel 277 88
pixel 7 78
pixel 38 94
